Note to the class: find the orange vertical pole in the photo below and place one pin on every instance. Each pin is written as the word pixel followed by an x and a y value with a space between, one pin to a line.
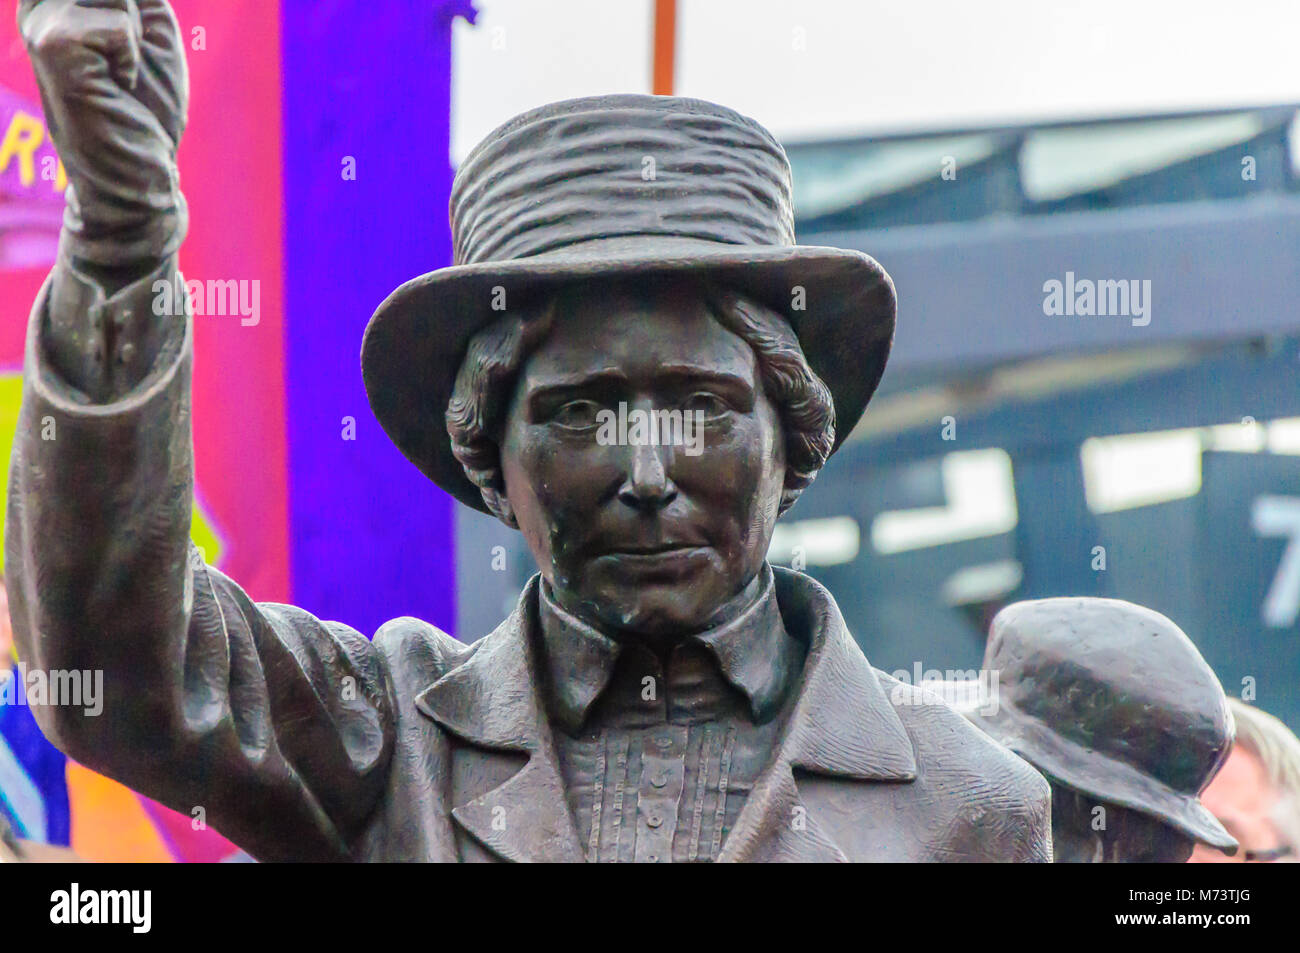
pixel 665 51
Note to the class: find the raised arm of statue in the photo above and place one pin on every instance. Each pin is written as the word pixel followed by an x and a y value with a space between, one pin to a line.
pixel 115 90
pixel 276 725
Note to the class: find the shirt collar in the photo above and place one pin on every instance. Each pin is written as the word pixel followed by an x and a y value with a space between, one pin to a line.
pixel 753 651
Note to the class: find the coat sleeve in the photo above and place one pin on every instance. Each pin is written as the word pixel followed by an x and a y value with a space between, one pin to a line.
pixel 271 726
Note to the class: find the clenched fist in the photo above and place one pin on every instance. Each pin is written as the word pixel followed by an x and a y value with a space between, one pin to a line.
pixel 115 90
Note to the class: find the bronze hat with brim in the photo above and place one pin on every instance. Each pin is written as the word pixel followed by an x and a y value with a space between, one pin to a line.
pixel 618 186
pixel 1113 700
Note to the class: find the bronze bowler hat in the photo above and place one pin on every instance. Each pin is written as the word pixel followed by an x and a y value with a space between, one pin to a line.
pixel 1113 700
pixel 606 186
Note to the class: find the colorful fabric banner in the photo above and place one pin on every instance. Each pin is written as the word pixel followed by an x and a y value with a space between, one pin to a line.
pixel 366 143
pixel 316 168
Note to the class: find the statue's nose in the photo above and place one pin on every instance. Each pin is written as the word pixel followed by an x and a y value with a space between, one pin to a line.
pixel 648 486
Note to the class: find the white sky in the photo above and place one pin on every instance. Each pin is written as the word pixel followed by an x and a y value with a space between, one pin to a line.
pixel 818 68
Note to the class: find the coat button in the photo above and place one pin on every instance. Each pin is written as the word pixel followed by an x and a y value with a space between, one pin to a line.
pixel 654 820
pixel 660 779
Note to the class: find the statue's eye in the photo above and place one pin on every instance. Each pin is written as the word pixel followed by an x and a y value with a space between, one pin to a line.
pixel 711 405
pixel 577 414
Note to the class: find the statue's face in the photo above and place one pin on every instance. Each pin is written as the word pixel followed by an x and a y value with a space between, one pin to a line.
pixel 633 536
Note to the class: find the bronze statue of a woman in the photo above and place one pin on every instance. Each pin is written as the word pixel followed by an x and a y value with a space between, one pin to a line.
pixel 661 694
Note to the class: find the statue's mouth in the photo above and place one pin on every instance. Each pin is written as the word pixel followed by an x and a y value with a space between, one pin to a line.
pixel 656 549
pixel 673 558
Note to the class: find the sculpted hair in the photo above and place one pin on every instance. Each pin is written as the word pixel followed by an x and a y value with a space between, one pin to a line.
pixel 486 382
pixel 481 397
pixel 801 397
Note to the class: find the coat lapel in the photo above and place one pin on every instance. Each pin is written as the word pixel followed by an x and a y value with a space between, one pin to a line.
pixel 491 700
pixel 842 725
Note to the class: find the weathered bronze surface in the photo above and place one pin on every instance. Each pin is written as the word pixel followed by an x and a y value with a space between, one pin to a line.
pixel 1115 706
pixel 660 693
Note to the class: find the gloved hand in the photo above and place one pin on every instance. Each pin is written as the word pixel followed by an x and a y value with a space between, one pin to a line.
pixel 115 90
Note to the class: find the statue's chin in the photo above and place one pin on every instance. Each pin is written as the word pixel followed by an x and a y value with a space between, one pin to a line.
pixel 662 608
pixel 656 618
